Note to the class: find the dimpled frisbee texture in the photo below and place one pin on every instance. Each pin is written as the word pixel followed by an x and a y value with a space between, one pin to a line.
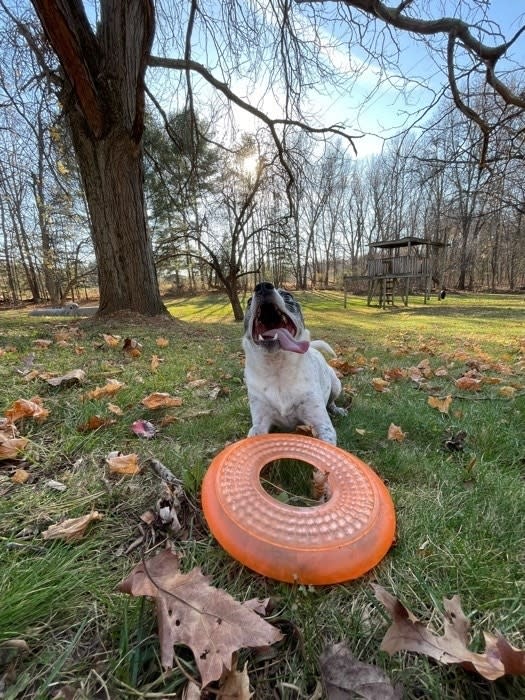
pixel 332 542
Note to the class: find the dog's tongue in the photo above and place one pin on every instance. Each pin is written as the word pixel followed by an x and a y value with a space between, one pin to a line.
pixel 287 341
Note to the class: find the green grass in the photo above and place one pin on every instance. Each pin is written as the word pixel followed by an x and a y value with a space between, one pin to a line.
pixel 460 514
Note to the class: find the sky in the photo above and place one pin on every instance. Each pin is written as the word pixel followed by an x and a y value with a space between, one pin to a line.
pixel 381 112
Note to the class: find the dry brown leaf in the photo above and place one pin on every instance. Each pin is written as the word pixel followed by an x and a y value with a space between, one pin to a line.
pixel 160 399
pixel 380 384
pixel 507 392
pixel 346 677
pixel 406 633
pixel 343 367
pixel 162 342
pixel 394 373
pixel 71 529
pixel 10 447
pixel 196 383
pixel 127 465
pixel 94 423
pixel 442 405
pixel 111 340
pixel 115 409
pixel 74 377
pixel 193 613
pixel 24 408
pixel 42 343
pixel 109 389
pixel 155 362
pixel 20 476
pixel 395 433
pixel 132 347
pixel 468 384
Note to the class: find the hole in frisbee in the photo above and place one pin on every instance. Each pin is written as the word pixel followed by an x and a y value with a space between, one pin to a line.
pixel 294 482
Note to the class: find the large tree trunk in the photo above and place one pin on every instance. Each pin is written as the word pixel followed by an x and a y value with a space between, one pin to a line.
pixel 103 98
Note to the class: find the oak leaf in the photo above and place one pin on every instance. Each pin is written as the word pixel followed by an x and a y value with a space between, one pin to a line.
pixel 191 612
pixel 72 528
pixel 407 633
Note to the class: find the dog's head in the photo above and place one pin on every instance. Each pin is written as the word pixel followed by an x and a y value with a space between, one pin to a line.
pixel 273 320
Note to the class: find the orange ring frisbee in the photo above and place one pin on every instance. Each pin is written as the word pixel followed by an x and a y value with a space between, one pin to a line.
pixel 332 542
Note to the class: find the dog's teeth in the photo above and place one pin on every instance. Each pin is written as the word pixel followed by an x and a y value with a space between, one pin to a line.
pixel 260 337
pixel 275 337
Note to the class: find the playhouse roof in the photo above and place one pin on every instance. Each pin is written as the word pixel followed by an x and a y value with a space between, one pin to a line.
pixel 405 242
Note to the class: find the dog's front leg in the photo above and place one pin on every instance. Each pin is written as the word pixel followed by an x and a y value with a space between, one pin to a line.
pixel 261 417
pixel 318 418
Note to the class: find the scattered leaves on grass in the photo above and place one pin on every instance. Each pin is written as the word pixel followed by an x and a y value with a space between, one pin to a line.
pixel 76 376
pixel 191 612
pixel 143 429
pixel 346 677
pixel 395 433
pixel 109 389
pixel 125 465
pixel 27 408
pixel 407 633
pixel 162 342
pixel 442 405
pixel 160 399
pixel 71 529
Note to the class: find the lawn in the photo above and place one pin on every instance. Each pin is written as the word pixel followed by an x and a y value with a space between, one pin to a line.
pixel 456 479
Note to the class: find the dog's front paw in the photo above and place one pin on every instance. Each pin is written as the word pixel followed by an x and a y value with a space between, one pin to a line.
pixel 337 410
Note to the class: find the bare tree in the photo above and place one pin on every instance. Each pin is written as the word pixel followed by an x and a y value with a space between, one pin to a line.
pixel 280 46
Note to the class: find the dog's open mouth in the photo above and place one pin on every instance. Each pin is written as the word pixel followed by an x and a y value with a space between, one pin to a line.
pixel 273 326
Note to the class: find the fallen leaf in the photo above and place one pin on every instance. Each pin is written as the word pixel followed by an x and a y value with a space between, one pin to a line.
pixel 191 612
pixel 360 431
pixel 11 447
pixel 160 399
pixel 111 340
pixel 115 409
pixel 109 389
pixel 394 373
pixel 345 677
pixel 42 344
pixel 407 633
pixel 380 384
pixel 196 383
pixel 155 362
pixel 20 476
pixel 71 529
pixel 94 423
pixel 24 408
pixel 55 485
pixel 468 384
pixel 123 464
pixel 395 433
pixel 76 376
pixel 442 405
pixel 162 342
pixel 132 347
pixel 507 392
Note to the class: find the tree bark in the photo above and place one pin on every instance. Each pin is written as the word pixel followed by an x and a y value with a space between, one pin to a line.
pixel 103 99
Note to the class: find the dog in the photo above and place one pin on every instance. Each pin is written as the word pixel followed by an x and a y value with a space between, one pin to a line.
pixel 288 380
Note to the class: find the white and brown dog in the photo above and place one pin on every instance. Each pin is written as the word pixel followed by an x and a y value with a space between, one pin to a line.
pixel 288 380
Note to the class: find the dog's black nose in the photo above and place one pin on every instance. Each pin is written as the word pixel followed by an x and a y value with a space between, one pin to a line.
pixel 263 287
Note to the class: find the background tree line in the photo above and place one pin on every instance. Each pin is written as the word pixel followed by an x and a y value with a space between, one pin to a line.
pixel 222 217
